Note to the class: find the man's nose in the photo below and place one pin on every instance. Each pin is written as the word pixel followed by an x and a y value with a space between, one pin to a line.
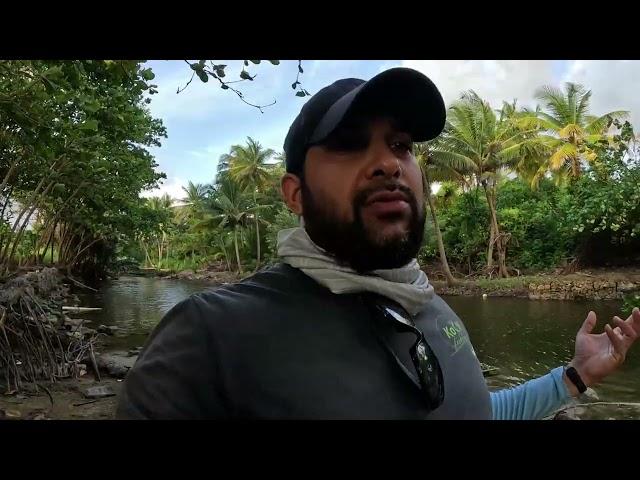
pixel 384 163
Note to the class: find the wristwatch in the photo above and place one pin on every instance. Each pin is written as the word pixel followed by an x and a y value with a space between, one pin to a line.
pixel 574 376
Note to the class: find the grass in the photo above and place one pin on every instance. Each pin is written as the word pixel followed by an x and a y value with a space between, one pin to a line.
pixel 505 283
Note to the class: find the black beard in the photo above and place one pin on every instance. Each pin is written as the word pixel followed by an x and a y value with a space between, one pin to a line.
pixel 351 244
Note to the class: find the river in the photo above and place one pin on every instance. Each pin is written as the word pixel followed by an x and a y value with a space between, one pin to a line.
pixel 523 338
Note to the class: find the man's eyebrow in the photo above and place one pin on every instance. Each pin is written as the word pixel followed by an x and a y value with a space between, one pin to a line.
pixel 398 126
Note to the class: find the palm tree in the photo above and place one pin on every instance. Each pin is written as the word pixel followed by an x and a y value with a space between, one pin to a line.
pixel 485 143
pixel 222 170
pixel 248 164
pixel 281 159
pixel 570 130
pixel 195 194
pixel 192 203
pixel 229 207
pixel 162 206
pixel 437 165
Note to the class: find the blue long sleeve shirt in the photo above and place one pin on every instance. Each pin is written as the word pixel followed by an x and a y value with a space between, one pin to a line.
pixel 533 400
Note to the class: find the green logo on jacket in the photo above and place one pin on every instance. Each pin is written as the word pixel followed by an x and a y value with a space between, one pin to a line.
pixel 456 335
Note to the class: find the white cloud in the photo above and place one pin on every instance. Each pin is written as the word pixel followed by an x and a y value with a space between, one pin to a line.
pixel 171 186
pixel 494 80
pixel 613 83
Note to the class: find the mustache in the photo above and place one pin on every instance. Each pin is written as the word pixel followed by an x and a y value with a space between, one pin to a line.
pixel 390 186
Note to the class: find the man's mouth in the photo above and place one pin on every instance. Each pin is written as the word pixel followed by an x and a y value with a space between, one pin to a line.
pixel 387 203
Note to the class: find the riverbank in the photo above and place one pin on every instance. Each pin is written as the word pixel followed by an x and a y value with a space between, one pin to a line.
pixel 588 284
pixel 592 284
pixel 83 398
pixel 65 400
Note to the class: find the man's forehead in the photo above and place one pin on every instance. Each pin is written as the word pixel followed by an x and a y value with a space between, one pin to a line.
pixel 367 121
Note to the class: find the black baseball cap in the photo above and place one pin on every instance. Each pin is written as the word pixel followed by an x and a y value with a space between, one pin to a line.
pixel 403 93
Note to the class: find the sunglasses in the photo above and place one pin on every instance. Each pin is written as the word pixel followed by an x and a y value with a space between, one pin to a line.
pixel 428 374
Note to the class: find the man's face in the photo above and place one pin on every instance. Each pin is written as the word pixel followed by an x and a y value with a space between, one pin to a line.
pixel 362 196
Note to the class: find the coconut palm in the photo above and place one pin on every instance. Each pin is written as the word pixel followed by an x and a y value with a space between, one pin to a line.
pixel 437 165
pixel 248 164
pixel 485 142
pixel 230 208
pixel 569 131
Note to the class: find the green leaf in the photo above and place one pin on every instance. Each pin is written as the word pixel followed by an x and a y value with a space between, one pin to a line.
pixel 147 74
pixel 89 125
pixel 245 76
pixel 219 70
pixel 301 94
pixel 49 86
pixel 257 62
pixel 202 76
pixel 294 85
pixel 300 69
pixel 224 87
pixel 91 107
pixel 246 63
pixel 275 62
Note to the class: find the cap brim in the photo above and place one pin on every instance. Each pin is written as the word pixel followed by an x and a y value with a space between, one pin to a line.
pixel 405 94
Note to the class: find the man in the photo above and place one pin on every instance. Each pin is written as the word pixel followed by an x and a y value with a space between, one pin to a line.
pixel 347 326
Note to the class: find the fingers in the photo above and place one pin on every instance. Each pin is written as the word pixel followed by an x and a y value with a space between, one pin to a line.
pixel 635 319
pixel 589 323
pixel 625 327
pixel 618 343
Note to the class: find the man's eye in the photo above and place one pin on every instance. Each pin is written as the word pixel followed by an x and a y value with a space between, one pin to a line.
pixel 402 146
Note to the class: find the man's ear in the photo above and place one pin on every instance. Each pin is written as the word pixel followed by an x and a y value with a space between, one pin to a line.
pixel 291 189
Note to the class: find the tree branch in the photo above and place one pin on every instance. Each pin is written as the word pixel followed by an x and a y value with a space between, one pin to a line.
pixel 225 85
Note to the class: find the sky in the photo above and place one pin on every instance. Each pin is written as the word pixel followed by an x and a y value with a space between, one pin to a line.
pixel 204 121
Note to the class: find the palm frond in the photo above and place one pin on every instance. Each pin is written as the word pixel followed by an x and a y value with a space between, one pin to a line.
pixel 599 124
pixel 566 153
pixel 554 99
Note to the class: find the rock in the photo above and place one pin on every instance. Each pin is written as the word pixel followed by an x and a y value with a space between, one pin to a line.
pixel 108 329
pixel 115 364
pixel 591 394
pixel 87 332
pixel 627 287
pixel 8 414
pixel 564 415
pixel 75 322
pixel 75 334
pixel 101 391
pixel 134 352
pixel 82 369
pixel 185 275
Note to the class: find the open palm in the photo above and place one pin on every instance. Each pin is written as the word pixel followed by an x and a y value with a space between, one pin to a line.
pixel 598 355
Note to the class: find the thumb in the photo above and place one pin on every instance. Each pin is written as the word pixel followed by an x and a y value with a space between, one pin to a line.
pixel 589 323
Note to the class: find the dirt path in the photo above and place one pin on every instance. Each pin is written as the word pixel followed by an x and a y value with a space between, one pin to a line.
pixel 69 403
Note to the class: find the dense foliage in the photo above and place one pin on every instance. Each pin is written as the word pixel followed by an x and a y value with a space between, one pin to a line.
pixel 515 190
